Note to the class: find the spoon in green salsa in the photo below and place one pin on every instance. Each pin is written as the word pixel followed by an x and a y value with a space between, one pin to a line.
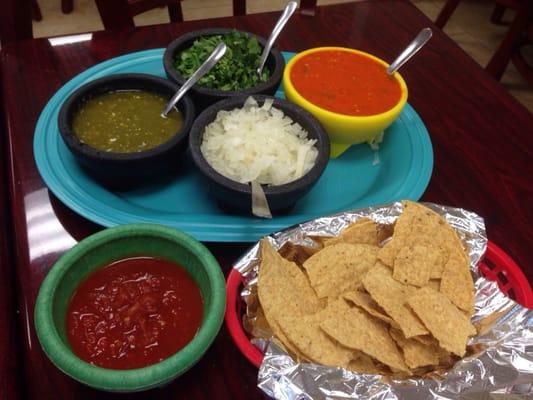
pixel 203 69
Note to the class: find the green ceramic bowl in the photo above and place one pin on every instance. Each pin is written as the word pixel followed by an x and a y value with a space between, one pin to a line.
pixel 111 245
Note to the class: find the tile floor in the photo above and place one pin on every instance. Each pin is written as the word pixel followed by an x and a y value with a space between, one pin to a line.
pixel 469 26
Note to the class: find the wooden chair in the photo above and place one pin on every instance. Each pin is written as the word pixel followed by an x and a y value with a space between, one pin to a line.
pixel 15 21
pixel 36 11
pixel 523 67
pixel 518 35
pixel 67 6
pixel 239 6
pixel 119 13
pixel 496 17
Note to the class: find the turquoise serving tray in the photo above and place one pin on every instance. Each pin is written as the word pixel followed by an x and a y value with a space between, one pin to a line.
pixel 351 181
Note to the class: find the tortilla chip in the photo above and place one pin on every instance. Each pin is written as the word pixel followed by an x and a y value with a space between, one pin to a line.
pixel 392 296
pixel 428 340
pixel 415 353
pixel 364 301
pixel 445 322
pixel 363 231
pixel 286 343
pixel 447 359
pixel 262 329
pixel 339 268
pixel 295 253
pixel 356 330
pixel 305 334
pixel 282 282
pixel 418 225
pixel 413 265
pixel 439 257
pixel 457 283
pixel 434 284
pixel 364 365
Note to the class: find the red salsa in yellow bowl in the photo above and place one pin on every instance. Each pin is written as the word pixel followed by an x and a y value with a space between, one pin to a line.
pixel 346 83
pixel 133 313
pixel 348 91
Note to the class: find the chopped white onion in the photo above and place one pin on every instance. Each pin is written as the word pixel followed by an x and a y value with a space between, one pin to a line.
pixel 260 144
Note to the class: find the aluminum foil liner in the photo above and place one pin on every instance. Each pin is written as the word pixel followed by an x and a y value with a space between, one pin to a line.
pixel 504 363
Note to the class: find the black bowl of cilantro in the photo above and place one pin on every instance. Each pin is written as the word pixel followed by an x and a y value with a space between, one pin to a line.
pixel 234 75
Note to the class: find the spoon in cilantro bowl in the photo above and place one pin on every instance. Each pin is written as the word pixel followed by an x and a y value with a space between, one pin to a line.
pixel 282 21
pixel 207 65
pixel 235 71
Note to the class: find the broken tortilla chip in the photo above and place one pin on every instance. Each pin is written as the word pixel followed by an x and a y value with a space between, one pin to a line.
pixel 364 301
pixel 413 265
pixel 443 319
pixel 415 353
pixel 457 283
pixel 363 231
pixel 339 268
pixel 305 334
pixel 355 329
pixel 418 225
pixel 364 365
pixel 392 296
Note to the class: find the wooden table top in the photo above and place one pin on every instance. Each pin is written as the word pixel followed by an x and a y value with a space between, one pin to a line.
pixel 10 371
pixel 481 140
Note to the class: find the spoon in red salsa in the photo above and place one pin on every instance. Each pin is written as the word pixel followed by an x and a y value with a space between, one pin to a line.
pixel 419 41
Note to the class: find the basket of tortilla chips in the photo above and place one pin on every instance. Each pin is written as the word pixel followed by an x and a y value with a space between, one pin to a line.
pixel 385 302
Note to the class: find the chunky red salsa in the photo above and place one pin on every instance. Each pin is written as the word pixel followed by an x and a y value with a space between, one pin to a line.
pixel 133 313
pixel 345 83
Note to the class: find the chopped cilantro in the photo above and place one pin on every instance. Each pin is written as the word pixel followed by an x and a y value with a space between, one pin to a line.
pixel 237 70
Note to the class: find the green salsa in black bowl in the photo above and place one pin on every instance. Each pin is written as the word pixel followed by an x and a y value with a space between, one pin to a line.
pixel 114 128
pixel 234 75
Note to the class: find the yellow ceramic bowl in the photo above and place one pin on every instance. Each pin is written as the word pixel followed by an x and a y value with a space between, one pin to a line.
pixel 345 130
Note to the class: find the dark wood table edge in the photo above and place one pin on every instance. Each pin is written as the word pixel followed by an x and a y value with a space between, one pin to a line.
pixel 11 360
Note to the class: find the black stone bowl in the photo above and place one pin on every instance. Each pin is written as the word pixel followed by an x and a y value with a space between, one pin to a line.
pixel 236 197
pixel 204 97
pixel 123 171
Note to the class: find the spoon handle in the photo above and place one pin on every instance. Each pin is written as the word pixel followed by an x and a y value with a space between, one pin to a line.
pixel 215 57
pixel 287 13
pixel 419 41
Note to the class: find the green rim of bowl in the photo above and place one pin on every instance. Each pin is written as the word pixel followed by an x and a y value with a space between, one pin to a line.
pixel 142 378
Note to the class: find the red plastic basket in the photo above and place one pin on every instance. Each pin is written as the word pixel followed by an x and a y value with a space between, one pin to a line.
pixel 496 265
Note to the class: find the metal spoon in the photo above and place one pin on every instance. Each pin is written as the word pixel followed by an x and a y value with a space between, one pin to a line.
pixel 215 57
pixel 420 40
pixel 287 13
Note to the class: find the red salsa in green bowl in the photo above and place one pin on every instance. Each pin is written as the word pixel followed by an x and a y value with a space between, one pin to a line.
pixel 133 313
pixel 130 308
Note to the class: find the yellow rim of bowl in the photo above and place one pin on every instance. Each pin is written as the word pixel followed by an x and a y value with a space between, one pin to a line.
pixel 318 110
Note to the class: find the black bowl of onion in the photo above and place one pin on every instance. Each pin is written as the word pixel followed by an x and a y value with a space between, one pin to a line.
pixel 114 128
pixel 234 75
pixel 259 139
